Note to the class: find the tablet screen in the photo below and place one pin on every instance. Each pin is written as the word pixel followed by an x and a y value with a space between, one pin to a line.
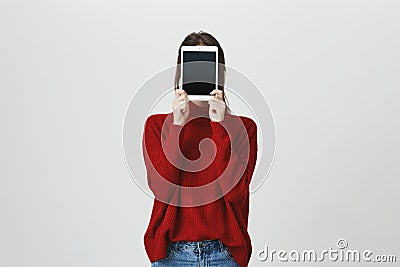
pixel 199 77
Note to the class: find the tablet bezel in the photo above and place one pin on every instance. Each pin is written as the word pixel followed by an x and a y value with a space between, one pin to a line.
pixel 200 48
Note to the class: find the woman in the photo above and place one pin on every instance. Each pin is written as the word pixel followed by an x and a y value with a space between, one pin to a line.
pixel 215 233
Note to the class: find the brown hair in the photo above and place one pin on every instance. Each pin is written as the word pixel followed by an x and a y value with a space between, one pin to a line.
pixel 204 38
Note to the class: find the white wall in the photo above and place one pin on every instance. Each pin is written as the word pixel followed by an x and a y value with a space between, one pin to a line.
pixel 329 70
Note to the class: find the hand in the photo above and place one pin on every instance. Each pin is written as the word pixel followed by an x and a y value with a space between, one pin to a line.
pixel 180 107
pixel 217 106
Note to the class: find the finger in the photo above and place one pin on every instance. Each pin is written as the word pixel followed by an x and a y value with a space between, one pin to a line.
pixel 214 92
pixel 180 101
pixel 215 101
pixel 217 93
pixel 220 94
pixel 217 97
pixel 181 97
pixel 180 105
pixel 179 92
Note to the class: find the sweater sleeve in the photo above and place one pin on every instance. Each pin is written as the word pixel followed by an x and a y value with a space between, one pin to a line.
pixel 160 171
pixel 238 170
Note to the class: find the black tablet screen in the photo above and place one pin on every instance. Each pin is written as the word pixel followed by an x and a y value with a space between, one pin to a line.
pixel 199 72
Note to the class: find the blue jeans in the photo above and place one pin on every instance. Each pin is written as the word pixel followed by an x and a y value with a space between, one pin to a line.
pixel 197 254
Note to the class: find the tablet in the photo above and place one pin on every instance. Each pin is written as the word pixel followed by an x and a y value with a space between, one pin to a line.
pixel 199 71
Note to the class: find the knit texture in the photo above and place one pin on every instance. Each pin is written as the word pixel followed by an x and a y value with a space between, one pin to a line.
pixel 235 153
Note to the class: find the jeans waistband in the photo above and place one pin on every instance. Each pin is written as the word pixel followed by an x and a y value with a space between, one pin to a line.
pixel 215 244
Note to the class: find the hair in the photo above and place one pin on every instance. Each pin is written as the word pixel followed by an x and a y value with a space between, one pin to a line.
pixel 204 38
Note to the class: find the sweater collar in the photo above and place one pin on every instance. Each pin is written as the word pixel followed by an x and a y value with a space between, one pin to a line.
pixel 196 110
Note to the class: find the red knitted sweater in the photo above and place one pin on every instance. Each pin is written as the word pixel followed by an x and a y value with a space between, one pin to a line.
pixel 226 218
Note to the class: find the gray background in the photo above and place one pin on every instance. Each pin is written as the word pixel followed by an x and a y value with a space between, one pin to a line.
pixel 329 69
